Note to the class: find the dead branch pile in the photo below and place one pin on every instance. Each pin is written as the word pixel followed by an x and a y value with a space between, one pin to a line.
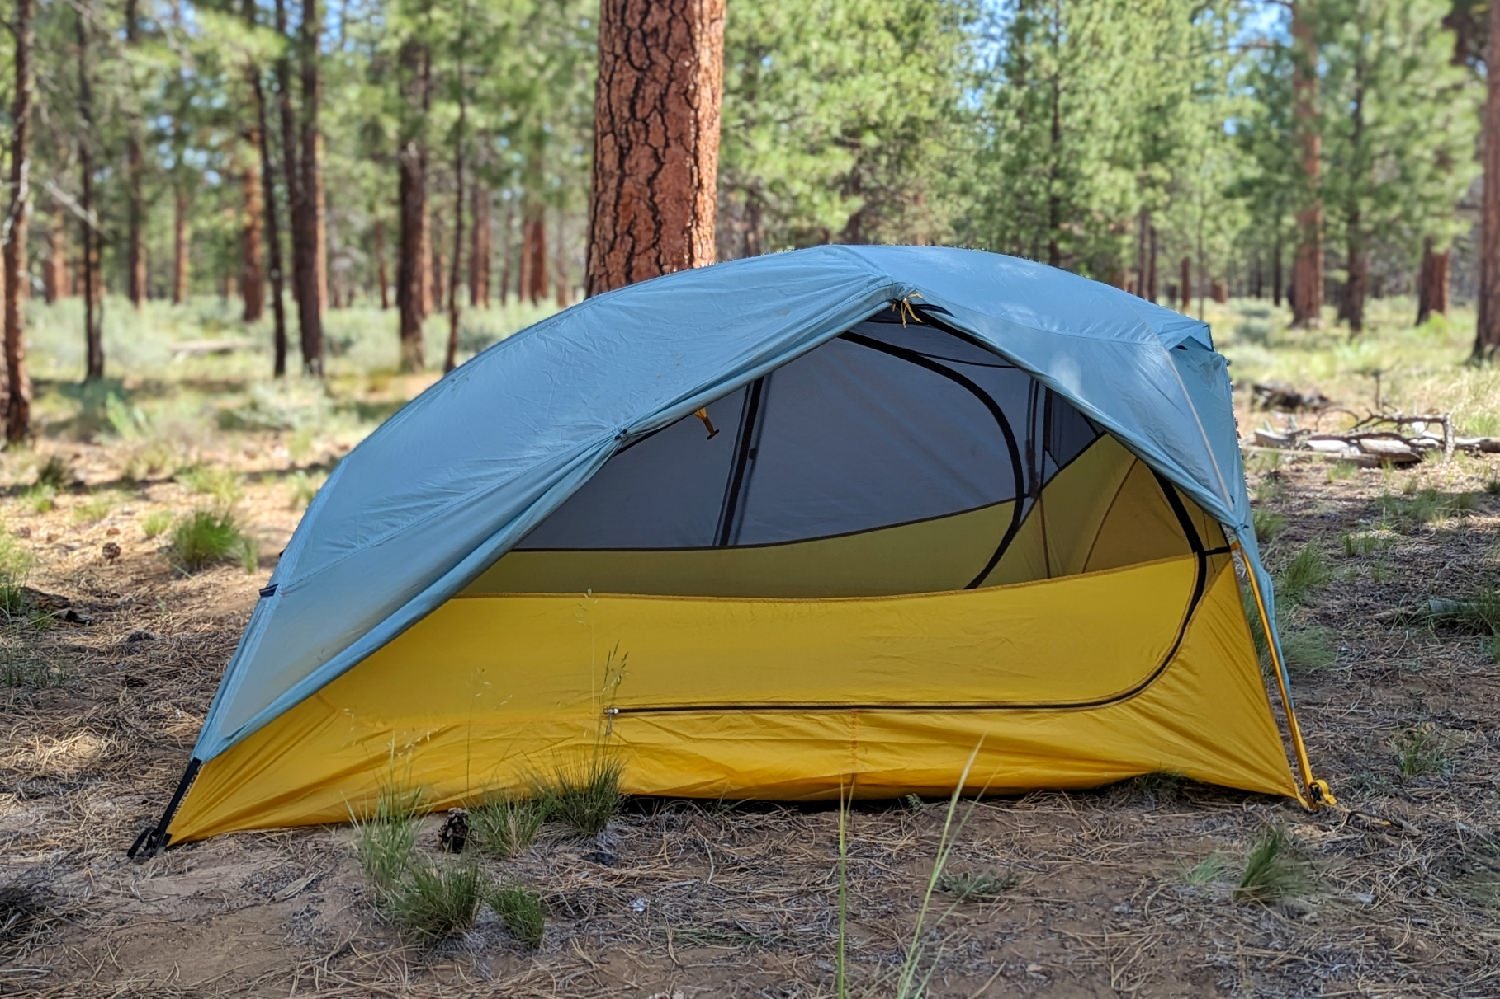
pixel 1390 439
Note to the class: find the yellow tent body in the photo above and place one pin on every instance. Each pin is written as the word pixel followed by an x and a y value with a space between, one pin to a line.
pixel 831 522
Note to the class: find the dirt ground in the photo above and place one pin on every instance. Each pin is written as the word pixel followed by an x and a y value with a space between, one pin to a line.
pixel 1124 890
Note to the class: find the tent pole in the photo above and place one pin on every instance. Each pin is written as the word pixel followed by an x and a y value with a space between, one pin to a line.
pixel 1318 792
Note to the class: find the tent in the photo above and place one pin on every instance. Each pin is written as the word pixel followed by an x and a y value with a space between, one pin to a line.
pixel 933 499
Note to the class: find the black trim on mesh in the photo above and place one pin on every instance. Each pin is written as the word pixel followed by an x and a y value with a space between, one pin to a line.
pixel 154 839
pixel 1200 586
pixel 744 444
pixel 1184 519
pixel 911 357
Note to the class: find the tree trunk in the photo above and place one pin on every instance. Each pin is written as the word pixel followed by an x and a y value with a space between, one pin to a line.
pixel 307 223
pixel 180 246
pixel 438 261
pixel 252 279
pixel 412 277
pixel 382 278
pixel 656 139
pixel 135 202
pixel 292 174
pixel 1307 266
pixel 272 223
pixel 1276 275
pixel 479 250
pixel 1487 332
pixel 1432 282
pixel 1186 288
pixel 13 233
pixel 1151 273
pixel 1353 306
pixel 534 255
pixel 55 273
pixel 507 249
pixel 450 358
pixel 88 232
pixel 1219 291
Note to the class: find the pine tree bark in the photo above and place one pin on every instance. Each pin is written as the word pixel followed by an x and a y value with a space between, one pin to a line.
pixel 1487 332
pixel 1307 265
pixel 307 224
pixel 656 139
pixel 438 262
pixel 13 231
pixel 1432 282
pixel 88 233
pixel 291 171
pixel 268 200
pixel 1186 289
pixel 1276 275
pixel 252 278
pixel 135 202
pixel 382 277
pixel 55 273
pixel 450 356
pixel 479 250
pixel 534 260
pixel 507 249
pixel 1151 273
pixel 412 275
pixel 181 246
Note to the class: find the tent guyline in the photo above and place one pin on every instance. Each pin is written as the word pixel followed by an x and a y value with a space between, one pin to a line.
pixel 850 511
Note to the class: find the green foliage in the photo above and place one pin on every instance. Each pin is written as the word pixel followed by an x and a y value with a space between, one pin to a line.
pixel 205 538
pixel 585 795
pixel 1306 571
pixel 1359 544
pixel 94 509
pixel 521 911
pixel 433 902
pixel 1272 869
pixel 1208 870
pixel 506 825
pixel 1308 648
pixel 303 488
pixel 1405 513
pixel 385 835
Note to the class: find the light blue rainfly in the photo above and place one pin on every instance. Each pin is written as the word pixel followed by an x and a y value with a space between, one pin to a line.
pixel 463 472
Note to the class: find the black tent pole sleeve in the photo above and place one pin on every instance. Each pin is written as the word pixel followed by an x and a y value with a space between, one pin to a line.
pixel 155 839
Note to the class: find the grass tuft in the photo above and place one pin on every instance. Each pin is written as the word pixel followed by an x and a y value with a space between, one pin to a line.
pixel 1272 869
pixel 521 911
pixel 15 565
pixel 1421 750
pixel 40 498
pixel 54 474
pixel 220 483
pixel 436 901
pixel 156 522
pixel 303 488
pixel 585 796
pixel 1268 525
pixel 93 509
pixel 505 826
pixel 978 886
pixel 209 537
pixel 1307 571
pixel 385 837
pixel 1308 648
pixel 1208 870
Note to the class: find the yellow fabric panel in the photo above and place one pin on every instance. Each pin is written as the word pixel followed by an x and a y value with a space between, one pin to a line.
pixel 945 553
pixel 1140 524
pixel 1074 504
pixel 486 691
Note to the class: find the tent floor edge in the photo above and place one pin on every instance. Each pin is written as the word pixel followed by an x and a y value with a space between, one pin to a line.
pixel 155 839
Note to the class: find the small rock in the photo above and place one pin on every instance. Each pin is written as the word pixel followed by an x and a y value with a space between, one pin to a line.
pixel 1035 969
pixel 1363 898
pixel 73 616
pixel 23 532
pixel 111 551
pixel 638 905
pixel 142 636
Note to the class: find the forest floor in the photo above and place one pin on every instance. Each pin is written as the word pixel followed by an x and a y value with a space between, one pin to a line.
pixel 105 679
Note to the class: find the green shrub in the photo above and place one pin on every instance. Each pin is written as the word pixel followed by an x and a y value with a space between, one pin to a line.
pixel 303 488
pixel 1308 648
pixel 521 912
pixel 505 826
pixel 208 537
pixel 93 509
pixel 1272 869
pixel 436 901
pixel 585 796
